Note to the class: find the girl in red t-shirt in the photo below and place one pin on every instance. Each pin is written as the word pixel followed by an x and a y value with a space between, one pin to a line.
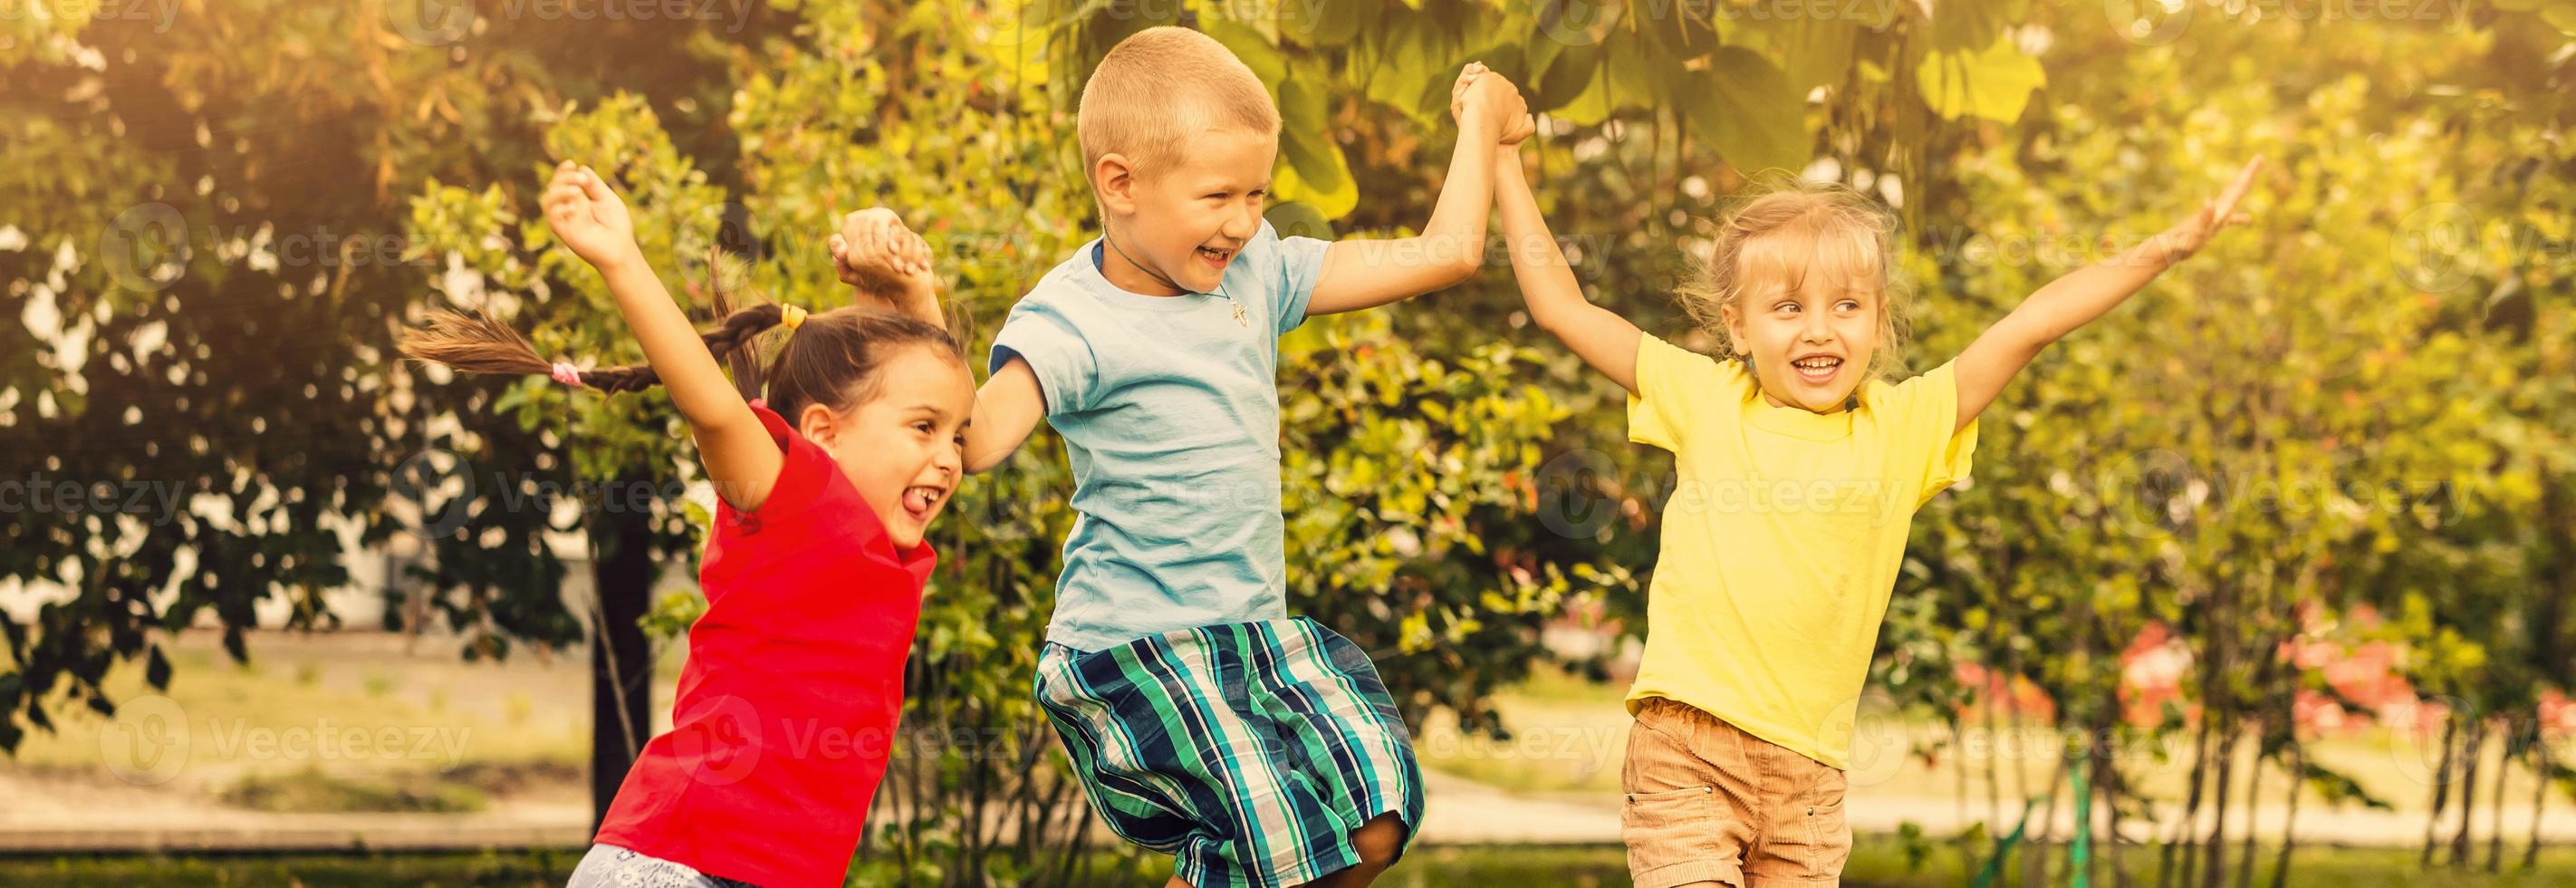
pixel 786 708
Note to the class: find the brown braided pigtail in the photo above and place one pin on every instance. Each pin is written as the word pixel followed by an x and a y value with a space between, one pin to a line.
pixel 477 344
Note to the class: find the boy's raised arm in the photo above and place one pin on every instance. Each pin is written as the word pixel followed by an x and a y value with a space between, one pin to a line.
pixel 741 459
pixel 2072 301
pixel 1598 335
pixel 1007 409
pixel 1361 273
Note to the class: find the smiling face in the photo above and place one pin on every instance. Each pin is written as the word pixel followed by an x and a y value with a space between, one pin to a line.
pixel 1810 308
pixel 1175 227
pixel 903 449
pixel 1811 347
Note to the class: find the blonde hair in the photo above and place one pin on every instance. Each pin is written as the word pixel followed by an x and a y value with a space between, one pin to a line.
pixel 1159 87
pixel 1785 233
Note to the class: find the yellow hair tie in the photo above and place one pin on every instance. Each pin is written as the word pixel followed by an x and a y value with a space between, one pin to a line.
pixel 792 316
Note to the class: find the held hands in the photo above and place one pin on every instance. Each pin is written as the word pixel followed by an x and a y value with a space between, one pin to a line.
pixel 876 253
pixel 589 217
pixel 1490 107
pixel 2216 216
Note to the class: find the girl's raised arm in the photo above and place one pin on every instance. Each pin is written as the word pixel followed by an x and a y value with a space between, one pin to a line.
pixel 1599 336
pixel 2076 299
pixel 741 459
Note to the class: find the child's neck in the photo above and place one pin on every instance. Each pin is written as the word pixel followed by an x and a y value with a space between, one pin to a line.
pixel 1849 402
pixel 1126 274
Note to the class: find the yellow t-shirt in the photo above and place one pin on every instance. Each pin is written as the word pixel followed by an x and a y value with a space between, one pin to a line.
pixel 1781 540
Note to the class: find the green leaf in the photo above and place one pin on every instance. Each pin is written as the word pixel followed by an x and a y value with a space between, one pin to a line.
pixel 1325 23
pixel 1312 168
pixel 1257 52
pixel 1564 77
pixel 1746 109
pixel 1963 25
pixel 1298 219
pixel 1819 52
pixel 1994 84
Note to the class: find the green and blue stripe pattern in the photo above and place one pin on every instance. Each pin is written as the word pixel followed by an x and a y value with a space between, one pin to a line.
pixel 1248 751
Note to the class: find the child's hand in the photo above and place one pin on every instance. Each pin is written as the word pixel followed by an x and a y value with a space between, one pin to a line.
pixel 2215 216
pixel 589 217
pixel 1491 105
pixel 1458 91
pixel 874 250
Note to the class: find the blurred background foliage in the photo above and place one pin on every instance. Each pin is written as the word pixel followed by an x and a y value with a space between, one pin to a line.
pixel 2353 423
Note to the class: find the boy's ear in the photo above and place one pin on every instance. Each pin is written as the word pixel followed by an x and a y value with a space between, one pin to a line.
pixel 1115 177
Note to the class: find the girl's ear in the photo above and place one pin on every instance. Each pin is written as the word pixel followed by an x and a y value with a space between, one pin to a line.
pixel 1735 335
pixel 818 425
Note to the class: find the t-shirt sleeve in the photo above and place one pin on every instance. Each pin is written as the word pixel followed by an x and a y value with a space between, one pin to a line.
pixel 1067 372
pixel 1674 385
pixel 1925 441
pixel 1300 261
pixel 802 477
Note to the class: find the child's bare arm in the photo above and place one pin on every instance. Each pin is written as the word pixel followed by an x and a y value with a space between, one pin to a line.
pixel 2076 299
pixel 1007 409
pixel 1360 273
pixel 1599 336
pixel 887 263
pixel 589 217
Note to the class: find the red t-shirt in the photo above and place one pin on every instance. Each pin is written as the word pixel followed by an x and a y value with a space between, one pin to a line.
pixel 786 709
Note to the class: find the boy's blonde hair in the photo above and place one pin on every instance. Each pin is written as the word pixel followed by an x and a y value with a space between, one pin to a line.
pixel 1161 86
pixel 1787 233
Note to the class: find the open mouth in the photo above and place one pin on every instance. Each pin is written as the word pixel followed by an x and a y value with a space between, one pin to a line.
pixel 1216 257
pixel 922 501
pixel 1817 369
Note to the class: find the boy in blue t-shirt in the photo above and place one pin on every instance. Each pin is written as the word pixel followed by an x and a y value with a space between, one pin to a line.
pixel 1202 721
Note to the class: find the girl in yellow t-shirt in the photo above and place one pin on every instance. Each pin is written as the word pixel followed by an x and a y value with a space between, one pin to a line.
pixel 1798 472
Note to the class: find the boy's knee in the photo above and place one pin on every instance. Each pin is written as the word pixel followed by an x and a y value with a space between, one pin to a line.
pixel 1379 840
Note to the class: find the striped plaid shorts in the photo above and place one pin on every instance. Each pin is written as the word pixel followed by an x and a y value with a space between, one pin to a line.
pixel 1247 751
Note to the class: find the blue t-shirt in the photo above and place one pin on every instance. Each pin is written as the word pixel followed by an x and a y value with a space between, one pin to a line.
pixel 1169 407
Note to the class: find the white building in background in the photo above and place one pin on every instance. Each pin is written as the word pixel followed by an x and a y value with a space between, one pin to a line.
pixel 360 605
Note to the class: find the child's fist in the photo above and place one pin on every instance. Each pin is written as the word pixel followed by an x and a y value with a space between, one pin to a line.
pixel 1492 106
pixel 589 217
pixel 874 250
pixel 1458 91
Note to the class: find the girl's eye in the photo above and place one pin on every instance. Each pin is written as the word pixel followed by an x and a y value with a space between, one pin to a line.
pixel 922 426
pixel 1786 308
pixel 1847 305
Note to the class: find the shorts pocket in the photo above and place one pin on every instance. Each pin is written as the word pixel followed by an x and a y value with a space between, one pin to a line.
pixel 1677 837
pixel 1814 840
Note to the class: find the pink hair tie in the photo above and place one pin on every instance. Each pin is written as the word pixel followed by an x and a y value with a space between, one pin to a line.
pixel 567 374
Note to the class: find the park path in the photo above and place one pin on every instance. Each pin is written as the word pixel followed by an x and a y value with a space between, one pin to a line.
pixel 61 813
pixel 1461 811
